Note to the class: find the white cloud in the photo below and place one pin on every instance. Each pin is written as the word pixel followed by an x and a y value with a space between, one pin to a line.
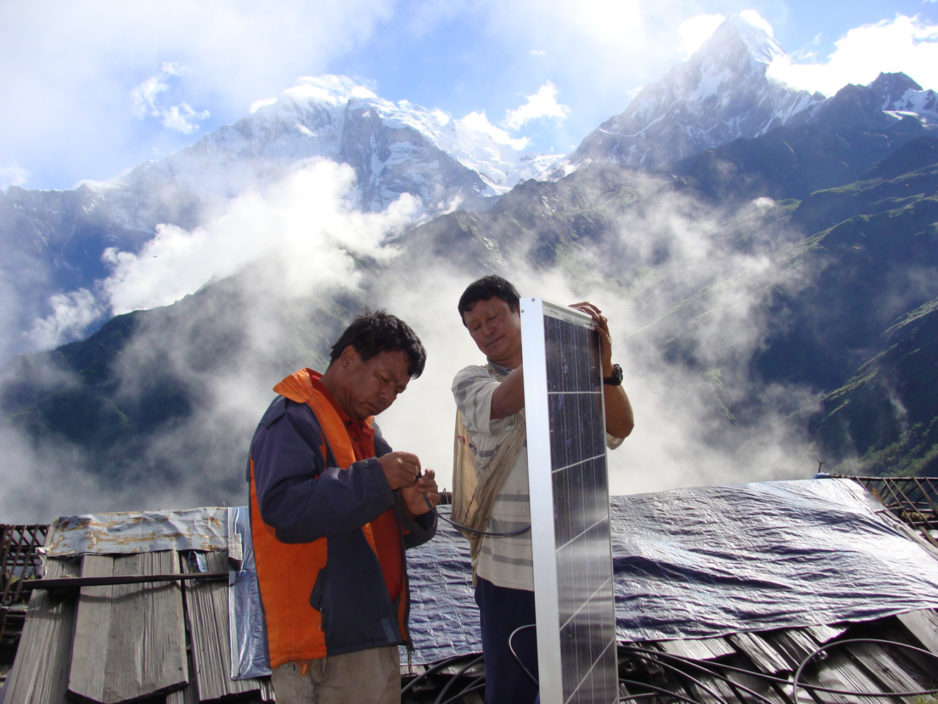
pixel 145 99
pixel 26 467
pixel 597 52
pixel 299 239
pixel 305 217
pixel 83 65
pixel 12 174
pixel 182 118
pixel 602 20
pixel 685 285
pixel 904 44
pixel 336 90
pixel 478 122
pixel 261 103
pixel 71 315
pixel 69 70
pixel 541 105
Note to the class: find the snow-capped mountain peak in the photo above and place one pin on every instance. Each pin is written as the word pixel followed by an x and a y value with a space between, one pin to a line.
pixel 759 45
pixel 900 95
pixel 721 93
pixel 394 148
pixel 328 89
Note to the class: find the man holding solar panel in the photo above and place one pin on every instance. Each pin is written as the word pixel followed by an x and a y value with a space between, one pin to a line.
pixel 491 479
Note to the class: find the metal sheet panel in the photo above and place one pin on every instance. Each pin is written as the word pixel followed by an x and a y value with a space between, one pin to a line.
pixel 131 532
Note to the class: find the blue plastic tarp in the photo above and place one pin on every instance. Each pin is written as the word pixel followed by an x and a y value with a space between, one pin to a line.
pixel 698 563
pixel 695 563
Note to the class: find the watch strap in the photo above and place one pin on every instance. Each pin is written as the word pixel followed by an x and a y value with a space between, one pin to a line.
pixel 616 378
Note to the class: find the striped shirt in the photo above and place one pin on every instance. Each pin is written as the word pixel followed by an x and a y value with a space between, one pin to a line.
pixel 504 561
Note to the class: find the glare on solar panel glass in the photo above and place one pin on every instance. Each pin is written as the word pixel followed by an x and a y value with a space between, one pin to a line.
pixel 573 583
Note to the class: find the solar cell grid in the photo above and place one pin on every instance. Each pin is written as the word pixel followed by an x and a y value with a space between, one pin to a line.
pixel 569 505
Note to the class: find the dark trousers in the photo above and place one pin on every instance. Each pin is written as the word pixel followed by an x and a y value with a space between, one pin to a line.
pixel 501 612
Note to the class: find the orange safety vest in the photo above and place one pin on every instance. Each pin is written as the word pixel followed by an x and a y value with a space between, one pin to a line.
pixel 286 572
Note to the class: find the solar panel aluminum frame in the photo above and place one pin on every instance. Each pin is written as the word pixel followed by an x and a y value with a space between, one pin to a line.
pixel 551 601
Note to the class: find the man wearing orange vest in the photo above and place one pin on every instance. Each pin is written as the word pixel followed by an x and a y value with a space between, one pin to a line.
pixel 332 510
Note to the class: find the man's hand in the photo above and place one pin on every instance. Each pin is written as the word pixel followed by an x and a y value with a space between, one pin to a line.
pixel 400 469
pixel 601 326
pixel 619 417
pixel 423 490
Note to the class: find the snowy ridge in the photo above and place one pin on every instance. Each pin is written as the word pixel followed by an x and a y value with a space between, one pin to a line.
pixel 334 117
pixel 900 96
pixel 499 160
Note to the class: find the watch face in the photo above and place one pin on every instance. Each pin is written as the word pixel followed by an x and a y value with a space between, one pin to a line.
pixel 616 377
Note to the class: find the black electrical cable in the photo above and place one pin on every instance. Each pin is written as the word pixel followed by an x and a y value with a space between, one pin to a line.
pixel 711 663
pixel 659 657
pixel 795 684
pixel 511 649
pixel 429 671
pixel 454 679
pixel 813 687
pixel 467 529
pixel 433 669
pixel 475 685
pixel 660 690
pixel 651 654
pixel 698 664
pixel 723 666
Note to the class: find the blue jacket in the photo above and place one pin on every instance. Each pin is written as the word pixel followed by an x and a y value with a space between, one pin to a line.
pixel 305 496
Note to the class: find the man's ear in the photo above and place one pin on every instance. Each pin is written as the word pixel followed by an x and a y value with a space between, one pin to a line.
pixel 349 355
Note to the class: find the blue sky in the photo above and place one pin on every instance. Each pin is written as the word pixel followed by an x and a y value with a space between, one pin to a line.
pixel 95 87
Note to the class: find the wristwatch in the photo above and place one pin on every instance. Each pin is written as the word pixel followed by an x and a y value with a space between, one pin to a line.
pixel 615 379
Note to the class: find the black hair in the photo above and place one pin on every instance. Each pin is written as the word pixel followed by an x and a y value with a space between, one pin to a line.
pixel 491 286
pixel 372 333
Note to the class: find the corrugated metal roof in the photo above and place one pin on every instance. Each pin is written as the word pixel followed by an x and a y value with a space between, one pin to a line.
pixel 138 531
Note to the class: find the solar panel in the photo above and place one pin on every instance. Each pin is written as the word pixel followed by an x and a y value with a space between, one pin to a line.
pixel 570 529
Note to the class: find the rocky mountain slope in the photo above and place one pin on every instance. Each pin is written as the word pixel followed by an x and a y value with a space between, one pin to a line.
pixel 832 143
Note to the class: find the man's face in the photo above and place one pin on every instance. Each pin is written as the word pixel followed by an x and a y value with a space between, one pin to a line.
pixel 368 388
pixel 496 330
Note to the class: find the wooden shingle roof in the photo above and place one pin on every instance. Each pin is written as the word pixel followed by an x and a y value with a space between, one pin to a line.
pixel 161 641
